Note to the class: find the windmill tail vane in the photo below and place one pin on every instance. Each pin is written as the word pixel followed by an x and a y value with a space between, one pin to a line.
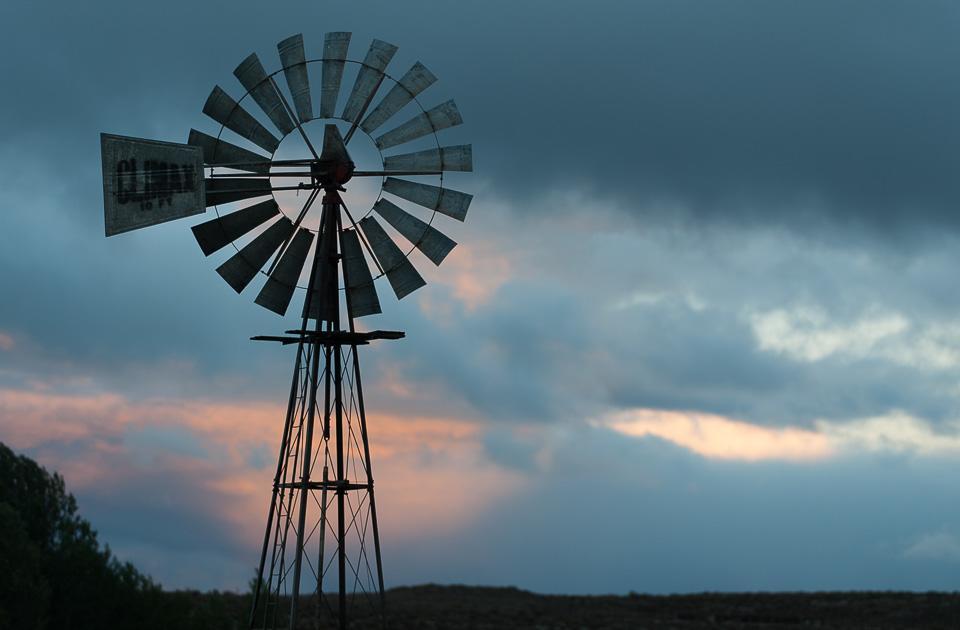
pixel 320 556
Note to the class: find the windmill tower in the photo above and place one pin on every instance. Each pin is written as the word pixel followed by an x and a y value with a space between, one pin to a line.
pixel 320 557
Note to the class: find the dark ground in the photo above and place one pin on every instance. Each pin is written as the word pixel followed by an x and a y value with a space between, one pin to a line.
pixel 457 607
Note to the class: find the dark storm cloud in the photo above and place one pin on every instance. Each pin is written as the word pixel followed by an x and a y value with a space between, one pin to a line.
pixel 746 111
pixel 795 114
pixel 738 111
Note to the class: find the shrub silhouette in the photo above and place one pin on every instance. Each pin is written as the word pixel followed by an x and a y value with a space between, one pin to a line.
pixel 55 574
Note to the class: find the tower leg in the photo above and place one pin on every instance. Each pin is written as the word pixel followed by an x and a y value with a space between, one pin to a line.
pixel 341 491
pixel 366 459
pixel 304 485
pixel 291 409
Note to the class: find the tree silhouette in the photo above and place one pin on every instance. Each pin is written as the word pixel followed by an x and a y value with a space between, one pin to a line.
pixel 53 571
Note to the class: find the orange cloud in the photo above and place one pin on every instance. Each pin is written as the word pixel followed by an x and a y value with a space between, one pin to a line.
pixel 475 272
pixel 6 341
pixel 31 418
pixel 431 473
pixel 718 437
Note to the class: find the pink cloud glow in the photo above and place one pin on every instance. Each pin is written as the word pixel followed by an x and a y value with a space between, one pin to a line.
pixel 474 272
pixel 6 341
pixel 718 437
pixel 431 472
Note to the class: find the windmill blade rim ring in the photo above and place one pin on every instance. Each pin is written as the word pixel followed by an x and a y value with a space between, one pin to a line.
pixel 411 247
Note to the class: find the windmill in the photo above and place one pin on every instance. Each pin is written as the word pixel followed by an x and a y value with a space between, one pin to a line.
pixel 322 524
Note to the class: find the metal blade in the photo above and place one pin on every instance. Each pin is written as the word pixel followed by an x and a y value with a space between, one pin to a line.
pixel 335 47
pixel 241 268
pixel 295 69
pixel 452 203
pixel 234 189
pixel 222 108
pixel 440 117
pixel 277 292
pixel 434 244
pixel 456 158
pixel 251 74
pixel 400 272
pixel 368 79
pixel 333 147
pixel 216 233
pixel 321 307
pixel 361 291
pixel 218 152
pixel 416 80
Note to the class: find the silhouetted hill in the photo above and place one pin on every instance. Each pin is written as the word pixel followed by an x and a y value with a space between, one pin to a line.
pixel 484 608
pixel 487 608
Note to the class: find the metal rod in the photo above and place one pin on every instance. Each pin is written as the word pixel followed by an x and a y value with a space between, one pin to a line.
pixel 326 394
pixel 363 110
pixel 287 521
pixel 388 173
pixel 366 456
pixel 334 222
pixel 304 489
pixel 314 173
pixel 307 448
pixel 341 491
pixel 291 408
pixel 296 224
pixel 295 118
pixel 363 238
pixel 265 176
pixel 323 526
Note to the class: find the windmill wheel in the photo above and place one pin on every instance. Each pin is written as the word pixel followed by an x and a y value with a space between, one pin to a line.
pixel 244 176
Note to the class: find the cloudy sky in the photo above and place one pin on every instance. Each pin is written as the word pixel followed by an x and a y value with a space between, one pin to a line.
pixel 701 331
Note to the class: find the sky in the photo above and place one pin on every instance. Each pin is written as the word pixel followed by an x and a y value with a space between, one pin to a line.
pixel 700 331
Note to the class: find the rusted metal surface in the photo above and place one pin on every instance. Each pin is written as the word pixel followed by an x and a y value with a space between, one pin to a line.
pixel 452 203
pixel 278 290
pixel 455 158
pixel 241 268
pixel 440 117
pixel 221 107
pixel 295 70
pixel 217 233
pixel 361 291
pixel 335 47
pixel 434 244
pixel 415 81
pixel 146 182
pixel 368 79
pixel 400 272
pixel 235 189
pixel 253 77
pixel 217 152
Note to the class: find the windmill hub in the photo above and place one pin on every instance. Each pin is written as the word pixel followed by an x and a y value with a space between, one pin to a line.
pixel 331 173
